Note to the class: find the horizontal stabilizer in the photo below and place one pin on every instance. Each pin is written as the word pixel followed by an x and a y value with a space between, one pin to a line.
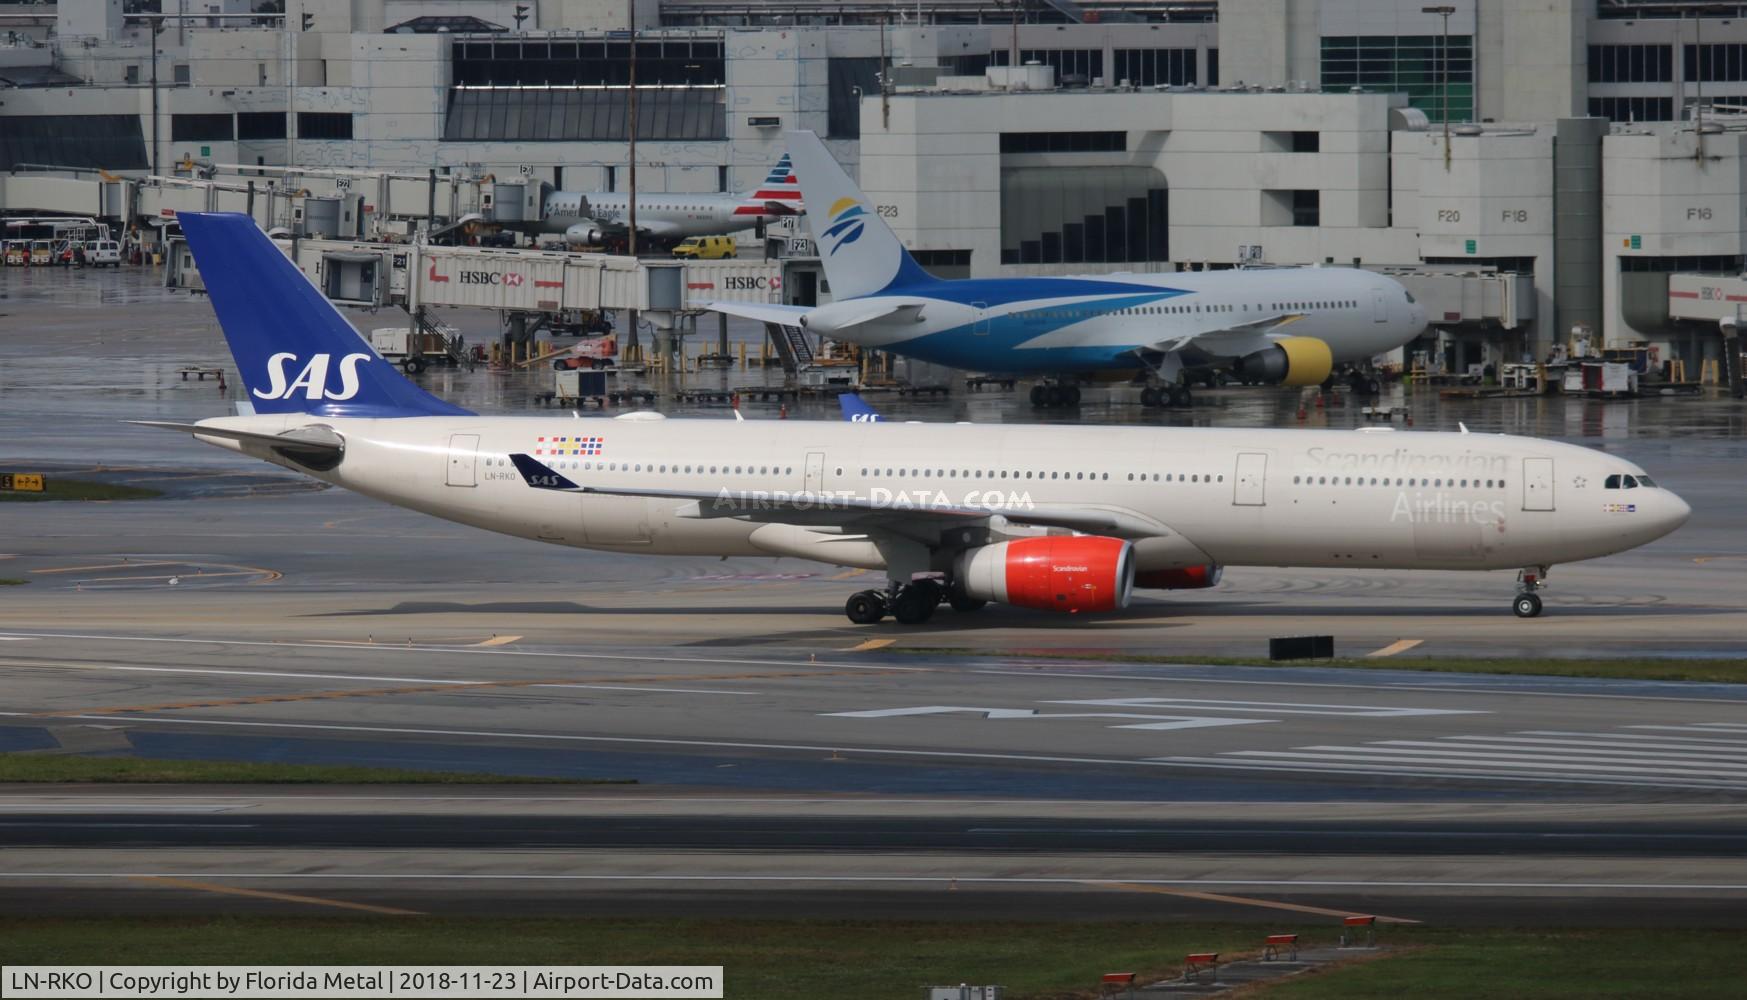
pixel 306 440
pixel 764 312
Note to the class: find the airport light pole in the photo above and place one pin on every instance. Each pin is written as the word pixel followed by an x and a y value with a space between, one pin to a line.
pixel 631 122
pixel 1444 11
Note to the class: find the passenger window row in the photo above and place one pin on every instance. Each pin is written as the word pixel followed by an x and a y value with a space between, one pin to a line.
pixel 1384 481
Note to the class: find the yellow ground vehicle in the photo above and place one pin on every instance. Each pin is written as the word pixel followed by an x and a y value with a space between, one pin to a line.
pixel 41 254
pixel 705 247
pixel 17 255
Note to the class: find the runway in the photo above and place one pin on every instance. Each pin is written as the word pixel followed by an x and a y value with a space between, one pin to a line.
pixel 782 784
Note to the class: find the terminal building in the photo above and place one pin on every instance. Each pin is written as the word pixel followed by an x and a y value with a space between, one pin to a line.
pixel 1529 170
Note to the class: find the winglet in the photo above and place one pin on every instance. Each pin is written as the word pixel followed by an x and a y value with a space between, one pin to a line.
pixel 540 477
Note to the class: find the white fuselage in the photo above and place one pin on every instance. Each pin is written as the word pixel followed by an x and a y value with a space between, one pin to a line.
pixel 1100 322
pixel 668 216
pixel 1397 500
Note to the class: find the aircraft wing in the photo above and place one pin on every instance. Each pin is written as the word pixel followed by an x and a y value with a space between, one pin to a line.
pixel 1230 341
pixel 764 312
pixel 840 509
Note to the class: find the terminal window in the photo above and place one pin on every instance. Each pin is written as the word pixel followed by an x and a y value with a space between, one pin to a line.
pixel 1631 63
pixel 1064 142
pixel 597 62
pixel 1633 109
pixel 1709 63
pixel 1155 67
pixel 113 142
pixel 198 128
pixel 1073 67
pixel 1410 64
pixel 261 125
pixel 324 125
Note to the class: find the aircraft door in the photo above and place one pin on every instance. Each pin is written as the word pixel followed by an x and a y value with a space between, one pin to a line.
pixel 463 460
pixel 1252 476
pixel 1379 308
pixel 815 472
pixel 1537 484
pixel 981 326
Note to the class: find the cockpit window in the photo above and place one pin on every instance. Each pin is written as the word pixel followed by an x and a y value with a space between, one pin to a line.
pixel 1645 481
pixel 1629 482
pixel 1613 483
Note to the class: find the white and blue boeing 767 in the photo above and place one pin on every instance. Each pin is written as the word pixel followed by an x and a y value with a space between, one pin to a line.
pixel 1289 326
pixel 1051 518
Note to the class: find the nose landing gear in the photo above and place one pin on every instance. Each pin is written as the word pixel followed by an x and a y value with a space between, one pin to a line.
pixel 1528 603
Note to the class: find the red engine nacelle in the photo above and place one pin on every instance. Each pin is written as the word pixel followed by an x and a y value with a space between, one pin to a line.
pixel 1184 578
pixel 1070 573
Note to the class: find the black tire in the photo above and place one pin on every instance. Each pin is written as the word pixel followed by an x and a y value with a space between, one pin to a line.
pixel 1374 387
pixel 409 365
pixel 419 365
pixel 1071 395
pixel 865 607
pixel 1149 397
pixel 1185 398
pixel 915 604
pixel 1526 605
pixel 1039 395
pixel 559 366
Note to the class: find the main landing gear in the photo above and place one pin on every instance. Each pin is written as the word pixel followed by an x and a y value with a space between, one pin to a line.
pixel 1055 396
pixel 908 603
pixel 1528 603
pixel 1170 394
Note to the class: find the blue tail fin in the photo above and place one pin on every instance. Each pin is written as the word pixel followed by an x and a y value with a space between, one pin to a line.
pixel 294 351
pixel 856 410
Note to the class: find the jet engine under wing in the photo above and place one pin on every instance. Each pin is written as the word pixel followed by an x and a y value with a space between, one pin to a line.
pixel 837 509
pixel 1232 341
pixel 764 312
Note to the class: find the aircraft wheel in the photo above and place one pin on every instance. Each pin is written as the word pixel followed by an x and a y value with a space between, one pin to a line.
pixel 1527 605
pixel 865 607
pixel 1149 397
pixel 915 604
pixel 1039 395
pixel 1183 398
pixel 1071 395
pixel 409 365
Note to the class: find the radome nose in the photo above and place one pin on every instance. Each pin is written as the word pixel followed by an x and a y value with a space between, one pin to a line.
pixel 1677 513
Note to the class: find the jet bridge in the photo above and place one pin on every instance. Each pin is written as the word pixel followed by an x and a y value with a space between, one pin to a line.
pixel 554 283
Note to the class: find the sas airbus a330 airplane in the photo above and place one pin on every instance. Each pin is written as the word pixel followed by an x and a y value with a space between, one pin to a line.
pixel 1050 518
pixel 1289 326
pixel 598 217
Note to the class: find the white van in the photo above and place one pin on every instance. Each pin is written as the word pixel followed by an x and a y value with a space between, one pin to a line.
pixel 102 252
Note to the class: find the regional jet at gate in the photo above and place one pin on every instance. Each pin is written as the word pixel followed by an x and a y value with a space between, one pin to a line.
pixel 1057 518
pixel 593 218
pixel 1289 326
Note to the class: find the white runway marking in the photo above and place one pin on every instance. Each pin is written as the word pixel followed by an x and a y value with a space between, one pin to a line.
pixel 1082 880
pixel 374 678
pixel 1273 707
pixel 1606 757
pixel 1152 722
